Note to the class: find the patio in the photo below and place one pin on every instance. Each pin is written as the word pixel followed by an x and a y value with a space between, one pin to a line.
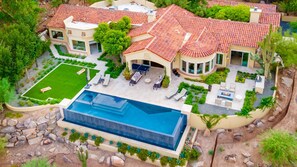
pixel 143 91
pixel 240 88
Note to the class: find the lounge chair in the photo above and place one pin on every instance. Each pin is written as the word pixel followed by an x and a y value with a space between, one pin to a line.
pixel 101 79
pixel 171 93
pixel 106 80
pixel 158 83
pixel 223 86
pixel 228 104
pixel 232 87
pixel 81 71
pixel 135 78
pixel 181 94
pixel 218 101
pixel 45 89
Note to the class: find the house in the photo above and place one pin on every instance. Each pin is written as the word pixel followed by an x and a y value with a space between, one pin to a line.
pixel 171 37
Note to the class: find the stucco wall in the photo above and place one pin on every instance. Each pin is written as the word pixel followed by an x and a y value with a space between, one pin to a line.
pixel 141 37
pixel 30 109
pixel 243 49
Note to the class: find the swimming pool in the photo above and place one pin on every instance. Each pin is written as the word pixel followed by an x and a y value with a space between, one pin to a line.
pixel 128 118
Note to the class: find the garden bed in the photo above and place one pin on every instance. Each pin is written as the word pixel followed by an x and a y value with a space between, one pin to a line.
pixel 217 77
pixel 195 95
pixel 242 76
pixel 62 50
pixel 115 67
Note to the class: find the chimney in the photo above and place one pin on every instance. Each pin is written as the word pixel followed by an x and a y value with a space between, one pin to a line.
pixel 255 15
pixel 151 16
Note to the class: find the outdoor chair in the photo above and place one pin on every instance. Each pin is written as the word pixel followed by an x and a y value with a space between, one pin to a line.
pixel 106 80
pixel 182 93
pixel 158 83
pixel 223 86
pixel 232 87
pixel 171 93
pixel 218 101
pixel 100 80
pixel 175 72
pixel 228 104
pixel 135 78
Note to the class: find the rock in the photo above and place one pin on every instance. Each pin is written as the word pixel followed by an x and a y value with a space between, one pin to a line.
pixel 12 122
pixel 41 120
pixel 4 122
pixel 101 159
pixel 38 153
pixel 47 142
pixel 13 139
pixel 275 113
pixel 117 161
pixel 120 155
pixel 108 161
pixel 251 128
pixel 20 143
pixel 246 154
pixel 34 140
pixel 27 122
pixel 231 158
pixel 22 138
pixel 246 160
pixel 93 156
pixel 42 127
pixel 278 109
pixel 206 133
pixel 7 136
pixel 66 159
pixel 198 148
pixel 31 154
pixel 52 136
pixel 271 118
pixel 255 145
pixel 40 133
pixel 60 139
pixel 58 115
pixel 8 129
pixel 237 136
pixel 256 121
pixel 51 127
pixel 15 134
pixel 287 81
pixel 20 126
pixel 51 161
pixel 31 136
pixel 18 154
pixel 250 164
pixel 260 124
pixel 28 132
pixel 46 133
pixel 51 150
pixel 220 131
pixel 197 164
pixel 9 145
pixel 52 121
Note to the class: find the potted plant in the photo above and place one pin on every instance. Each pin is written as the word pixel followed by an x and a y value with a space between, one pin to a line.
pixel 127 73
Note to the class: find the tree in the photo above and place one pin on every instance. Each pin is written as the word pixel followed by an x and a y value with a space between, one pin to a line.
pixel 115 42
pixel 83 156
pixel 123 25
pixel 6 92
pixel 268 50
pixel 279 148
pixel 211 120
pixel 287 49
pixel 41 162
pixel 100 32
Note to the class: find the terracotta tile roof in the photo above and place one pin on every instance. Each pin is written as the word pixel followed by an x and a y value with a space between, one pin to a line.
pixel 143 29
pixel 263 7
pixel 270 18
pixel 92 15
pixel 139 45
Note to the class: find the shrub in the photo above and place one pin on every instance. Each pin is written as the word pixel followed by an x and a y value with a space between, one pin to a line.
pixel 22 103
pixel 217 77
pixel 58 47
pixel 98 141
pixel 143 154
pixel 202 99
pixel 127 73
pixel 29 103
pixel 248 104
pixel 74 136
pixel 66 129
pixel 64 134
pixel 86 135
pixel 83 139
pixel 12 114
pixel 273 88
pixel 165 82
pixel 267 102
pixel 153 156
pixel 3 142
pixel 132 150
pixel 164 160
pixel 210 152
pixel 194 154
pixel 111 142
pixel 41 162
pixel 123 148
pixel 234 13
pixel 279 148
pixel 195 109
pixel 94 137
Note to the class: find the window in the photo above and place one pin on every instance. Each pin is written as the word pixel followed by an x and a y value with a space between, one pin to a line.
pixel 184 66
pixel 219 58
pixel 79 45
pixel 191 68
pixel 83 34
pixel 212 63
pixel 69 32
pixel 199 68
pixel 207 66
pixel 57 35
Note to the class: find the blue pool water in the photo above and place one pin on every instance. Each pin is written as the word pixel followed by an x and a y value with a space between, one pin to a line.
pixel 136 120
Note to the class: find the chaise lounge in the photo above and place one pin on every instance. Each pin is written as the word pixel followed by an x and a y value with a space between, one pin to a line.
pixel 135 78
pixel 171 93
pixel 106 80
pixel 182 93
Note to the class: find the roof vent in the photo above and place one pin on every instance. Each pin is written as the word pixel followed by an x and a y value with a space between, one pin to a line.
pixel 255 8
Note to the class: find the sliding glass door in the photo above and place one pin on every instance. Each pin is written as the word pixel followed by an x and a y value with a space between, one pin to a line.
pixel 245 59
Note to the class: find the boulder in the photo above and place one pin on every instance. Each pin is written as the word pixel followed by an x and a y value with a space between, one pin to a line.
pixel 12 122
pixel 35 140
pixel 66 159
pixel 256 121
pixel 101 159
pixel 206 132
pixel 60 139
pixel 260 124
pixel 246 154
pixel 120 155
pixel 287 81
pixel 20 125
pixel 4 122
pixel 32 124
pixel 9 145
pixel 28 132
pixel 15 134
pixel 231 158
pixel 46 142
pixel 58 115
pixel 220 131
pixel 271 118
pixel 117 161
pixel 8 129
pixel 7 136
pixel 22 138
pixel 246 160
pixel 20 143
pixel 38 153
pixel 93 156
pixel 108 161
pixel 198 148
pixel 250 164
pixel 41 120
pixel 51 150
pixel 13 139
pixel 52 136
pixel 51 127
pixel 251 128
pixel 42 127
pixel 27 122
pixel 40 133
pixel 31 136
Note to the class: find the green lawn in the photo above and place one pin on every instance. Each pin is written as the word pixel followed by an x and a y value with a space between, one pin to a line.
pixel 64 81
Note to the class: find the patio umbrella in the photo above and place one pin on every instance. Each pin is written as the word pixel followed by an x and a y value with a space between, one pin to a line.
pixel 88 75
